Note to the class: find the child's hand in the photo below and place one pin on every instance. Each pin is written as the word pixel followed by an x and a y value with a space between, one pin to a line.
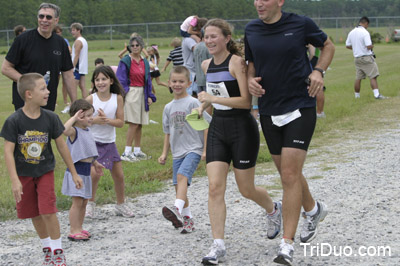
pixel 162 159
pixel 101 118
pixel 149 101
pixel 203 155
pixel 79 115
pixel 16 188
pixel 98 167
pixel 78 181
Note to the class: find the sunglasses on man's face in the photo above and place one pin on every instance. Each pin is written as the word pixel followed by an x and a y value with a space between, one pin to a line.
pixel 48 17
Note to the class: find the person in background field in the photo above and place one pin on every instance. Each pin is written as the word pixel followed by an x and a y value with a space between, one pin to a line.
pixel 26 55
pixel 123 51
pixel 98 62
pixel 154 58
pixel 313 55
pixel 80 57
pixel 30 163
pixel 232 136
pixel 359 40
pixel 175 55
pixel 19 29
pixel 134 74
pixel 83 151
pixel 191 26
pixel 58 30
pixel 187 147
pixel 107 100
pixel 278 68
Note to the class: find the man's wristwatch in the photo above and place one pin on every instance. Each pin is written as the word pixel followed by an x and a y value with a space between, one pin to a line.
pixel 320 70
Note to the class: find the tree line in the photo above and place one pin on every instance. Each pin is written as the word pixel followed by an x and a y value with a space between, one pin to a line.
pixel 104 12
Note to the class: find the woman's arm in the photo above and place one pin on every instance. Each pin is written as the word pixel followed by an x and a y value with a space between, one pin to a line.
pixel 238 69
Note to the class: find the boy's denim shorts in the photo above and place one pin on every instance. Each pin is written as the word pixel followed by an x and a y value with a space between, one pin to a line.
pixel 185 166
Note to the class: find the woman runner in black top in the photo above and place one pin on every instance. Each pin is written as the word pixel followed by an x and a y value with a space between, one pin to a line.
pixel 233 133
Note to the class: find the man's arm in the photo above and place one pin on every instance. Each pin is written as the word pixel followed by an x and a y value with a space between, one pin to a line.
pixel 255 88
pixel 325 59
pixel 68 77
pixel 8 70
pixel 78 47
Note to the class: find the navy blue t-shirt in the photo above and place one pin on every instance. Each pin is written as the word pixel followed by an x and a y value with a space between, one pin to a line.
pixel 279 54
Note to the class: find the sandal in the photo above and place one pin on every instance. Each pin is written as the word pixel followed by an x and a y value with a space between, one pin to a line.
pixel 84 232
pixel 78 237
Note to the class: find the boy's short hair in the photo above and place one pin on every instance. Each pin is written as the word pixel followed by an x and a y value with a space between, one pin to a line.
pixel 180 70
pixel 80 104
pixel 27 82
pixel 77 26
pixel 176 42
pixel 364 20
pixel 98 61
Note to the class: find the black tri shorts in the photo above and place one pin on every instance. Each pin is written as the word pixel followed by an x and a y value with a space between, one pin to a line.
pixel 233 136
pixel 297 134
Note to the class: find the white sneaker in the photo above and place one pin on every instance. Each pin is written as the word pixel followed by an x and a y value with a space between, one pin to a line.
pixel 285 253
pixel 321 115
pixel 90 209
pixel 142 156
pixel 124 210
pixel 129 157
pixel 216 255
pixel 66 109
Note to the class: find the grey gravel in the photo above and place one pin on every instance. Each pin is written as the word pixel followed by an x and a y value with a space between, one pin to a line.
pixel 357 178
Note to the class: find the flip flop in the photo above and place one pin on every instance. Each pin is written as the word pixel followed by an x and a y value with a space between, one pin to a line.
pixel 78 237
pixel 89 235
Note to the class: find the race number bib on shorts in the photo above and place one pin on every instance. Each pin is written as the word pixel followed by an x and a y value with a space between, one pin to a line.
pixel 219 90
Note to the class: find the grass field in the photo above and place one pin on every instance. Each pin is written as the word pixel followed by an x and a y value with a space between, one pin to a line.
pixel 343 112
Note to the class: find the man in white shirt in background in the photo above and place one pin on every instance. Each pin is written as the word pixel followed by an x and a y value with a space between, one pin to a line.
pixel 80 57
pixel 359 40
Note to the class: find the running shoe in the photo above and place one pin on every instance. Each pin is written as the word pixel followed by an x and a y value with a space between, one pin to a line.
pixel 215 256
pixel 188 225
pixel 59 258
pixel 380 97
pixel 310 225
pixel 172 214
pixel 275 221
pixel 47 256
pixel 90 210
pixel 124 210
pixel 285 254
pixel 321 115
pixel 142 156
pixel 129 157
pixel 65 110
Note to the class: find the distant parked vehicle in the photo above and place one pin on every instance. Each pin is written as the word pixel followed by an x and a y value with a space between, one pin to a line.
pixel 396 35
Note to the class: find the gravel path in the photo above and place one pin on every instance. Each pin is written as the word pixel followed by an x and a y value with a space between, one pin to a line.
pixel 356 178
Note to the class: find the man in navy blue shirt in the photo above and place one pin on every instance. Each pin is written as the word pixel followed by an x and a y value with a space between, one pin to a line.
pixel 280 74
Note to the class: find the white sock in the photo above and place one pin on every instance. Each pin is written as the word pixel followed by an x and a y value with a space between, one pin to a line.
pixel 313 211
pixel 55 244
pixel 186 212
pixel 45 242
pixel 220 242
pixel 357 94
pixel 128 149
pixel 376 92
pixel 179 204
pixel 136 150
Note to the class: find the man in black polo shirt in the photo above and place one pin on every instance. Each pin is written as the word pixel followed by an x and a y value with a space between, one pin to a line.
pixel 278 73
pixel 41 51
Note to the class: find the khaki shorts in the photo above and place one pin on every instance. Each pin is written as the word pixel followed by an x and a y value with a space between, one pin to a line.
pixel 366 66
pixel 134 109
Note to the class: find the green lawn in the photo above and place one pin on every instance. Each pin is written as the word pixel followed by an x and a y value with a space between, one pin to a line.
pixel 145 177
